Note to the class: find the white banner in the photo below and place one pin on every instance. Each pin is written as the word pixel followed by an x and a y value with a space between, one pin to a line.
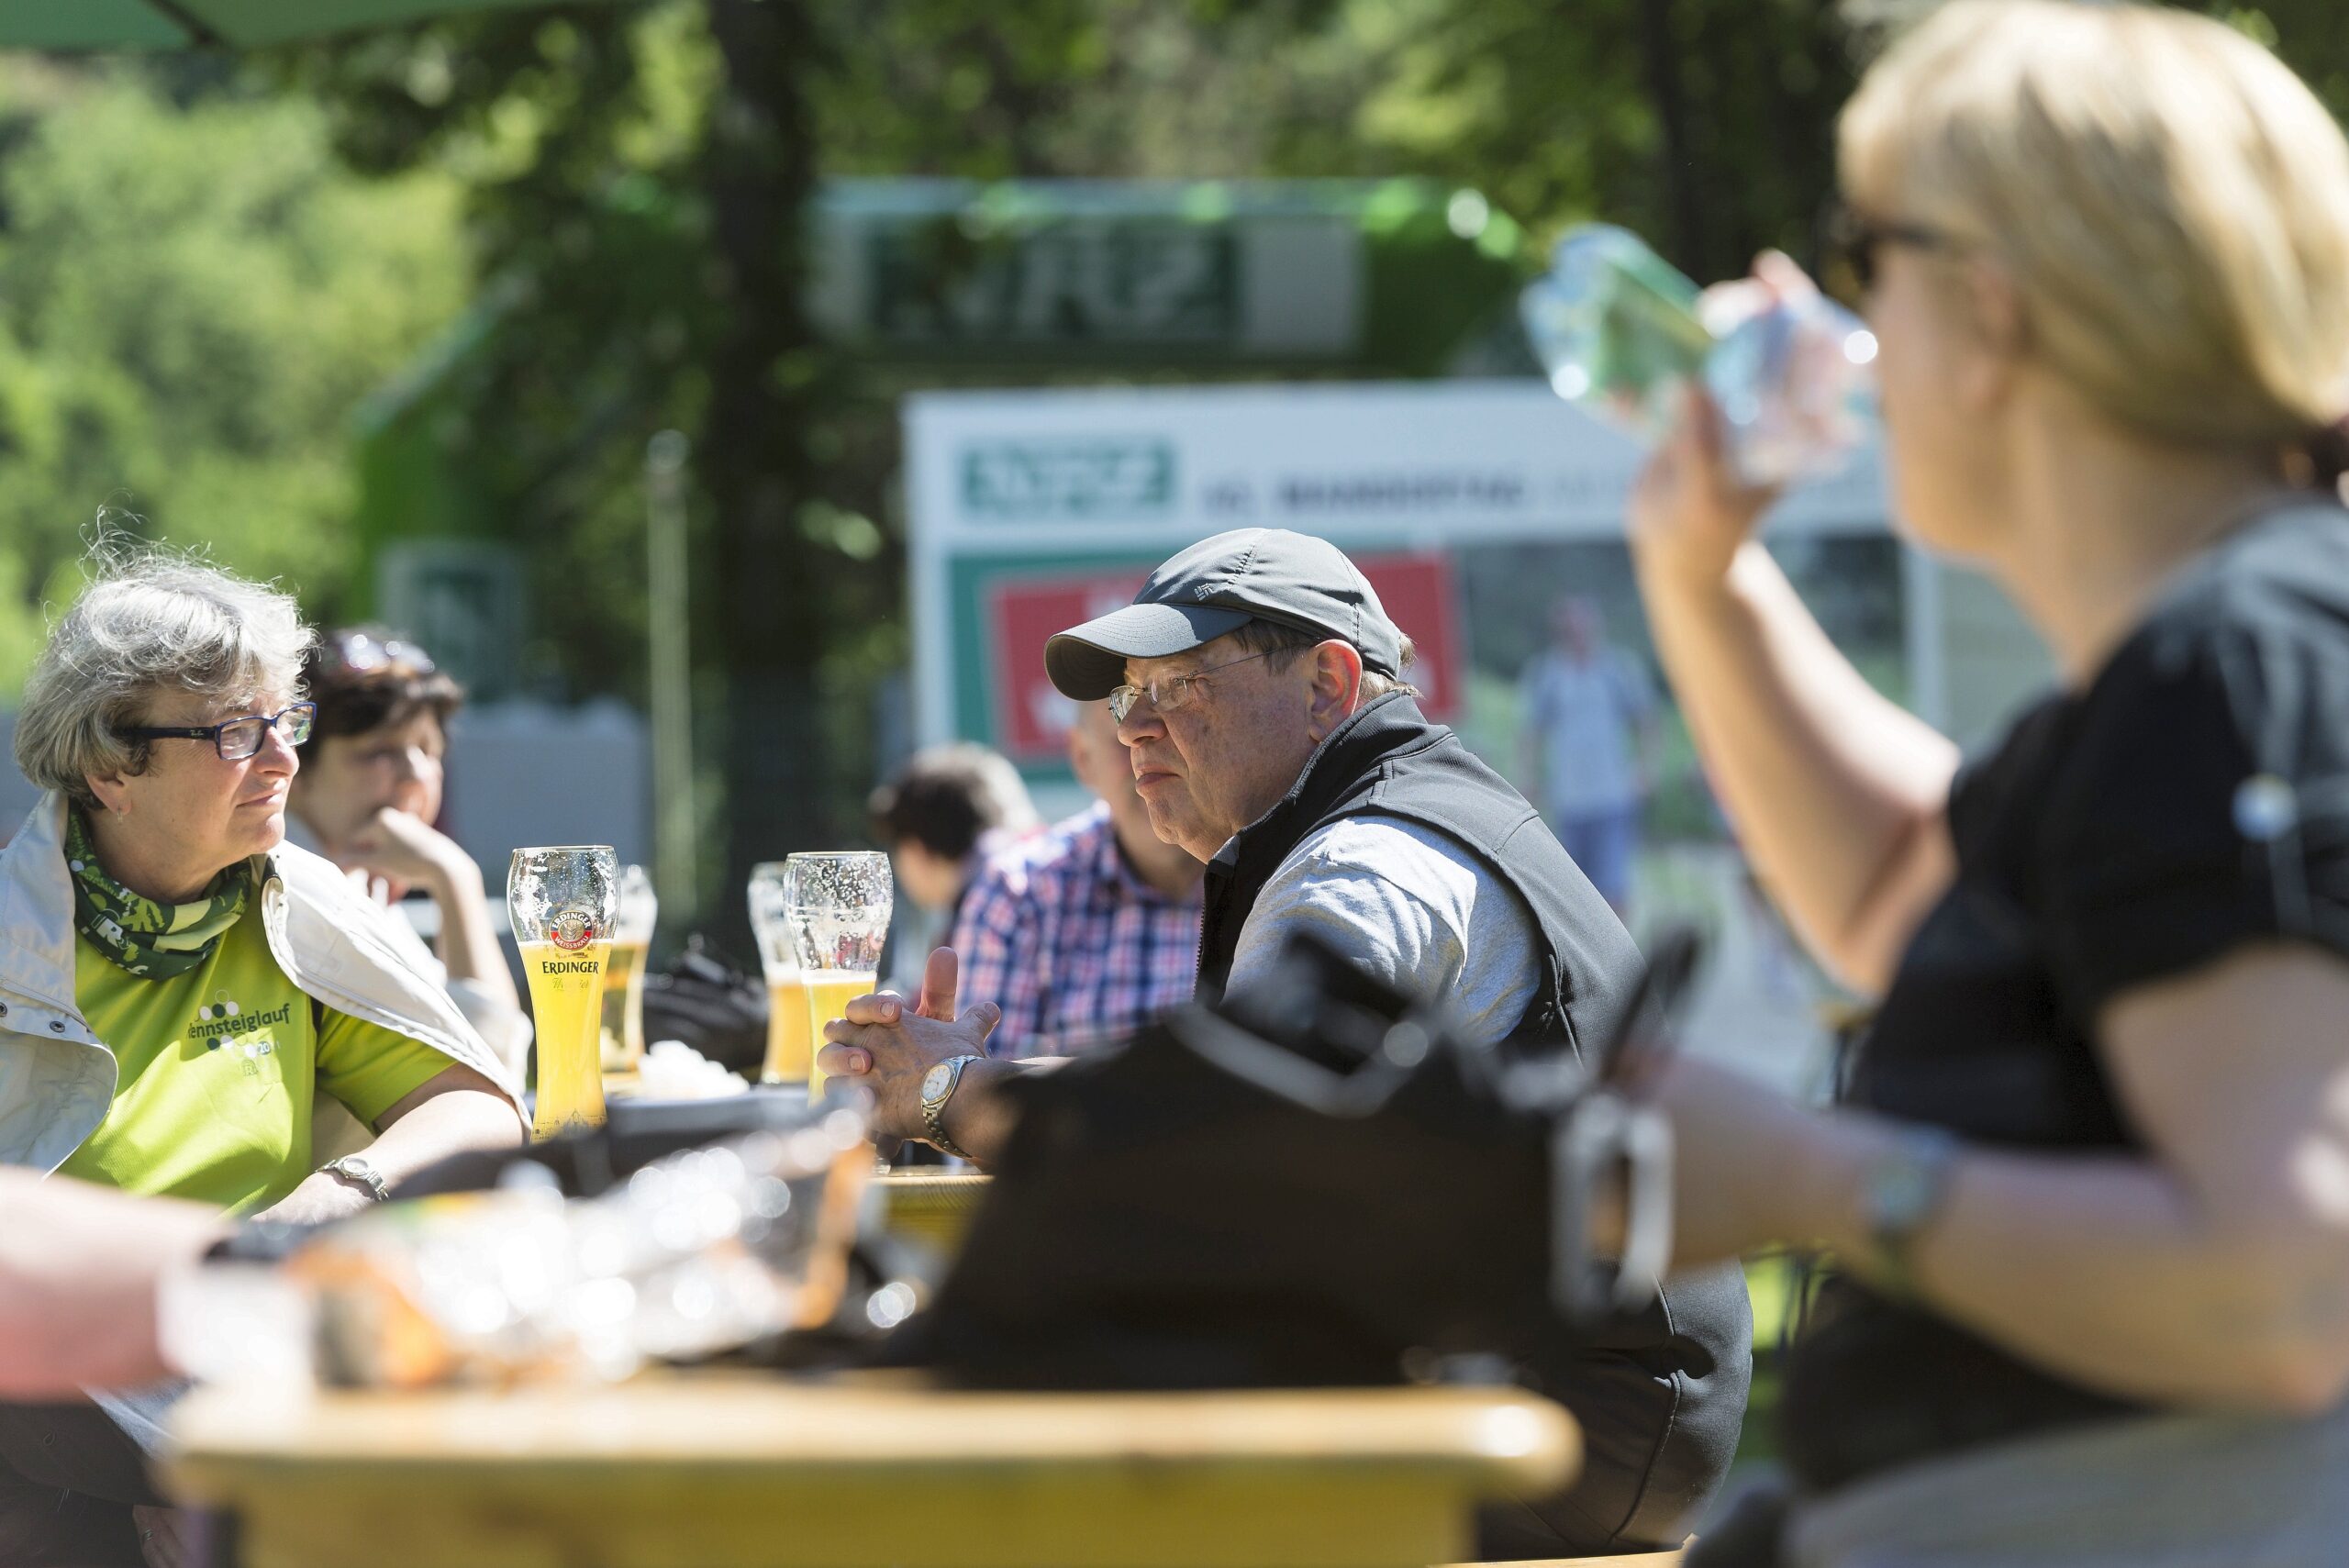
pixel 1405 463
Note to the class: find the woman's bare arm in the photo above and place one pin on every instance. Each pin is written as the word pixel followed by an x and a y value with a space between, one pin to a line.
pixel 2212 1270
pixel 1837 795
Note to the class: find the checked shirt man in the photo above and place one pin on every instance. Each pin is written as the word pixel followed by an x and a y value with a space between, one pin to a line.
pixel 1089 931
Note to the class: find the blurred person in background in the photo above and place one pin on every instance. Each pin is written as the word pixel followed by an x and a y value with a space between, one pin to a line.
pixel 943 812
pixel 1586 744
pixel 368 796
pixel 2088 1208
pixel 189 1006
pixel 1090 929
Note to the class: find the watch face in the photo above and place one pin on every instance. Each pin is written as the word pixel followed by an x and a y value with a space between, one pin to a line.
pixel 1911 1187
pixel 934 1081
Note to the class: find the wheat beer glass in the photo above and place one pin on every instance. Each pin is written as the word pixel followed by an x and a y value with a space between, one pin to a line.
pixel 622 1032
pixel 790 1051
pixel 564 901
pixel 838 906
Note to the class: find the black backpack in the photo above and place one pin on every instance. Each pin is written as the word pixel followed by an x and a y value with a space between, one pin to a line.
pixel 1317 1183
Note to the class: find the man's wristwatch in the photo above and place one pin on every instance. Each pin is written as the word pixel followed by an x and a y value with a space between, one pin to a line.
pixel 359 1173
pixel 1904 1189
pixel 938 1086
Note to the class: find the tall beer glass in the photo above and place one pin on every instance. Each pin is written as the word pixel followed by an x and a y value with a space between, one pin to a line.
pixel 790 1053
pixel 622 1032
pixel 564 901
pixel 839 912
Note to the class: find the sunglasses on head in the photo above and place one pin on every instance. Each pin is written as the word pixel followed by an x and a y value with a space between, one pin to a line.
pixel 363 653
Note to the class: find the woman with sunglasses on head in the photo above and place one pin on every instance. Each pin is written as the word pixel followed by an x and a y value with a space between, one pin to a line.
pixel 2087 1209
pixel 367 798
pixel 189 1006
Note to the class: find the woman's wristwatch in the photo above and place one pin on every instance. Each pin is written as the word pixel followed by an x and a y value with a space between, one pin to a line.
pixel 360 1173
pixel 1902 1192
pixel 938 1086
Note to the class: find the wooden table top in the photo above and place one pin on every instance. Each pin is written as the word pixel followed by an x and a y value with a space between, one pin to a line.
pixel 748 1418
pixel 932 1207
pixel 734 1471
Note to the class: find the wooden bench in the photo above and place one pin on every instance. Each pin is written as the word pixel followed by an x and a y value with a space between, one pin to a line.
pixel 728 1471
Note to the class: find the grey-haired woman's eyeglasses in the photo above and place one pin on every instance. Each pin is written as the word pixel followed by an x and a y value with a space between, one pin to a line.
pixel 237 739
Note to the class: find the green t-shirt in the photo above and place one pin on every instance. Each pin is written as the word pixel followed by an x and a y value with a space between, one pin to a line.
pixel 219 1069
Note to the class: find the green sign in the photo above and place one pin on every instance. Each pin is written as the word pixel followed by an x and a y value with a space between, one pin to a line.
pixel 1068 480
pixel 1390 276
pixel 1139 283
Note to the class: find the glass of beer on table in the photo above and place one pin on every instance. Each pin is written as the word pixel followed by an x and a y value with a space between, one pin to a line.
pixel 565 901
pixel 622 1032
pixel 838 908
pixel 790 1052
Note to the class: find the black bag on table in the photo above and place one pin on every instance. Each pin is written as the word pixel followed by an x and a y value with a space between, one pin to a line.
pixel 1315 1185
pixel 709 1003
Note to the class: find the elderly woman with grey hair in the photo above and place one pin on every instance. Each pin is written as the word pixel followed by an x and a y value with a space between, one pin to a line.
pixel 191 1007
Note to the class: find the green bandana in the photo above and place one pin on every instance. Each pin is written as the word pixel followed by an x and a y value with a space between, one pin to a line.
pixel 156 941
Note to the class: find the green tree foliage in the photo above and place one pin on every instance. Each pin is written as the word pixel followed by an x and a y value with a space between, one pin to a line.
pixel 192 297
pixel 637 179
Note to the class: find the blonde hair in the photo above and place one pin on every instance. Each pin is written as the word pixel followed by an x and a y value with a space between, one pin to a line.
pixel 2170 200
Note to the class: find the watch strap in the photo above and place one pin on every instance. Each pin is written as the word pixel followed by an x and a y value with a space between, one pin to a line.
pixel 359 1173
pixel 1907 1185
pixel 933 1111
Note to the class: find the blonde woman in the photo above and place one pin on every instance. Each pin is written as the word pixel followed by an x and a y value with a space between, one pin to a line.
pixel 2089 1211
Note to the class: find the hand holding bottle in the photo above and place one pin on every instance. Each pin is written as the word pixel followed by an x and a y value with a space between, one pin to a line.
pixel 1689 511
pixel 1623 335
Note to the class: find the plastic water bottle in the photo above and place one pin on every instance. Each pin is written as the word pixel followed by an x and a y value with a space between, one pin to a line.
pixel 1620 332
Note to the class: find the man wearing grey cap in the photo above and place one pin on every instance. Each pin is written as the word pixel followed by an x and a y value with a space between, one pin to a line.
pixel 1258 686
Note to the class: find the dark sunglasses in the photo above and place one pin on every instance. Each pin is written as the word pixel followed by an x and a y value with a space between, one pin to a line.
pixel 1848 243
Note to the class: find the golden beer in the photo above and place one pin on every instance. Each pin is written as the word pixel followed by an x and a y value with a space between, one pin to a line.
pixel 828 991
pixel 622 1029
pixel 566 999
pixel 791 1048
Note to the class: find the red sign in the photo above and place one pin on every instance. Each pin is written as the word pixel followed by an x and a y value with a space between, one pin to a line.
pixel 1023 613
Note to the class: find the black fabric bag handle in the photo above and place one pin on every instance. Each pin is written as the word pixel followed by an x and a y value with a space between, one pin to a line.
pixel 1601 1134
pixel 1286 1075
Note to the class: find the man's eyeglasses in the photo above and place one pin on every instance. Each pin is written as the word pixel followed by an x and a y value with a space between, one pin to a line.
pixel 1848 243
pixel 364 651
pixel 1171 693
pixel 238 738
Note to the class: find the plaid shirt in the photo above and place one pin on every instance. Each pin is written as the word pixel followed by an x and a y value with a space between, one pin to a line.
pixel 1076 950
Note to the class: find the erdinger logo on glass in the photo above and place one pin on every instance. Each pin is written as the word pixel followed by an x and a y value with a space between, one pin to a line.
pixel 572 930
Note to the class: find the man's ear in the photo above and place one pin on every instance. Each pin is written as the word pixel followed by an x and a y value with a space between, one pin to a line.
pixel 1337 687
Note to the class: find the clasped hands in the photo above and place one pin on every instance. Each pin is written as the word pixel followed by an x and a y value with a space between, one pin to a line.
pixel 889 1046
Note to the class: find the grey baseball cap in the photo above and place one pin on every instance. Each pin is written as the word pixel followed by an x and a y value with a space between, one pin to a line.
pixel 1218 586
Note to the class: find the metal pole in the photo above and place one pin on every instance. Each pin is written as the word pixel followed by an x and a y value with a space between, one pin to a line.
pixel 675 821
